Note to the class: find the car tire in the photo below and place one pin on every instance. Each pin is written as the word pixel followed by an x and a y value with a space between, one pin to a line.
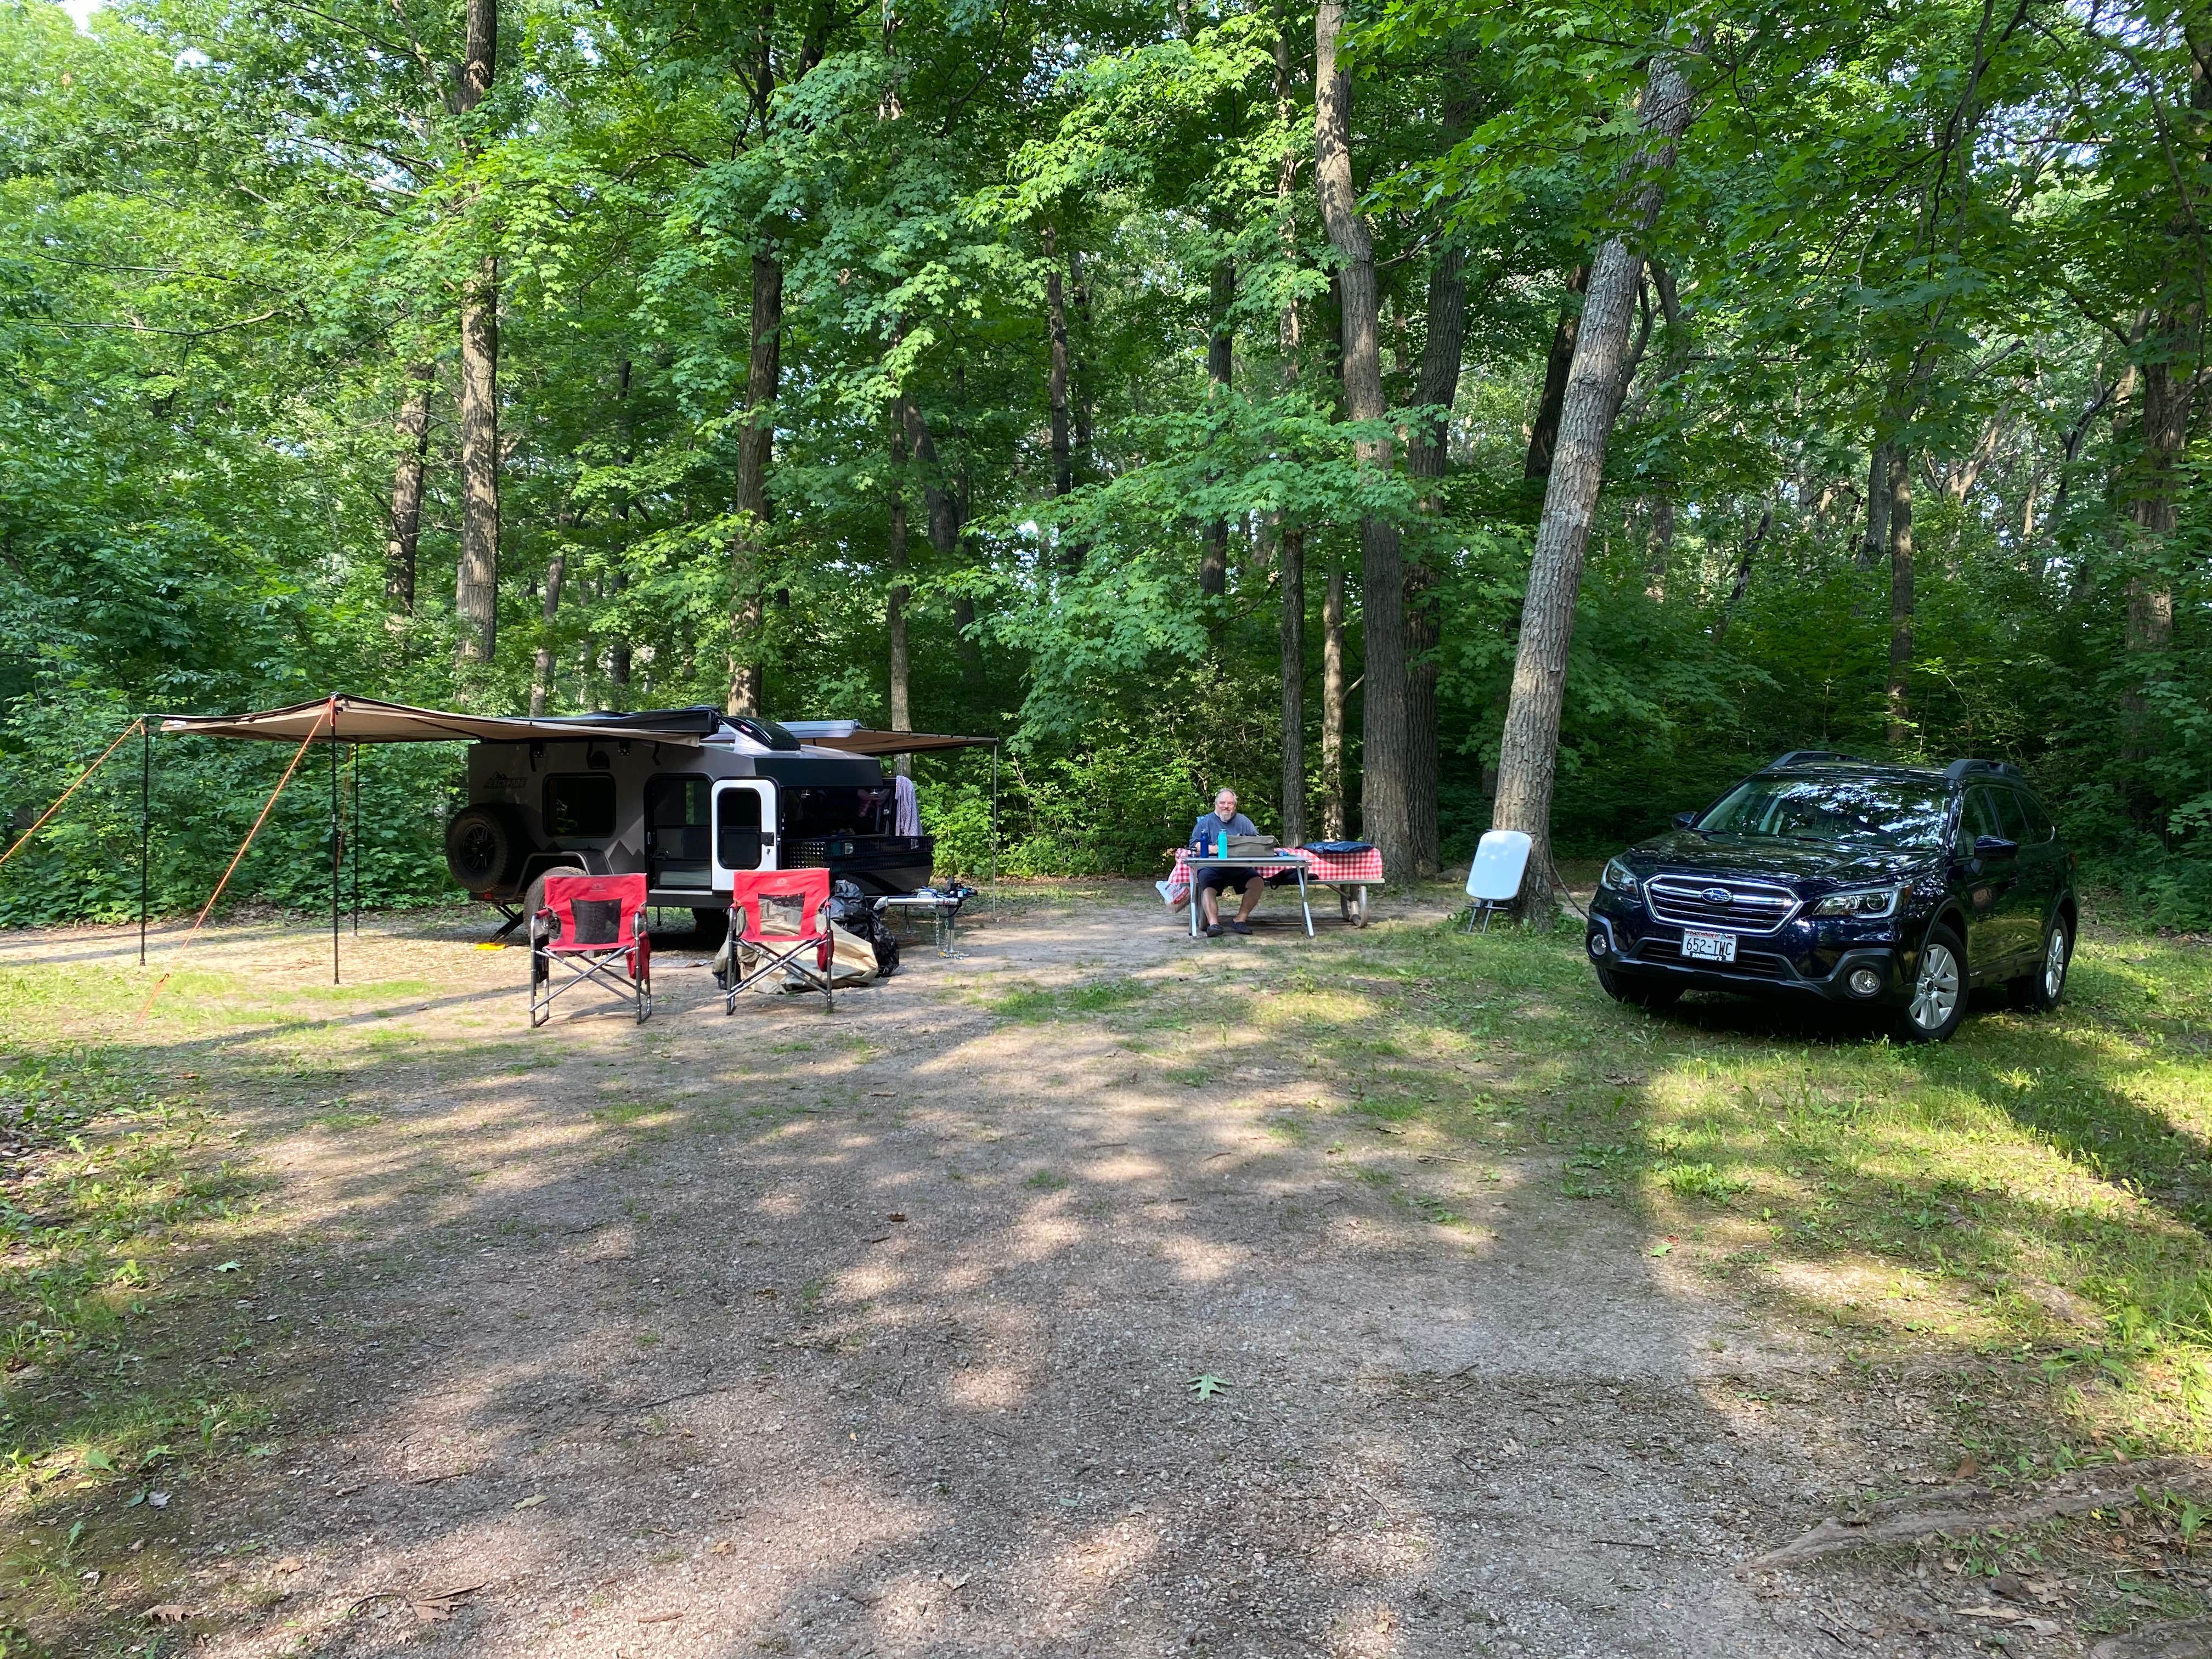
pixel 2040 991
pixel 1936 1002
pixel 1638 992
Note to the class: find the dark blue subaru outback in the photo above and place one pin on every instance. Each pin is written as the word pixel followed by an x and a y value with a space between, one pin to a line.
pixel 1894 887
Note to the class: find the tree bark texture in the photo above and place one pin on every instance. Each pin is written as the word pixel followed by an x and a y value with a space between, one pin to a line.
pixel 1290 559
pixel 618 649
pixel 541 673
pixel 1332 709
pixel 1544 433
pixel 404 531
pixel 1528 759
pixel 1743 583
pixel 1385 816
pixel 1220 363
pixel 1055 320
pixel 1898 698
pixel 756 448
pixel 476 589
pixel 2167 403
pixel 1873 546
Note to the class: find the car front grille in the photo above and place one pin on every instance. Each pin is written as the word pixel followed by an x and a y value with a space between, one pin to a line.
pixel 1750 964
pixel 1736 907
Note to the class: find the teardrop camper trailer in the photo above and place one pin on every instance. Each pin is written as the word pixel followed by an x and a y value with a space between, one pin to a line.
pixel 742 795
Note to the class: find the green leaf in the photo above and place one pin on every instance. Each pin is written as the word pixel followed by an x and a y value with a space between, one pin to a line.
pixel 1205 1385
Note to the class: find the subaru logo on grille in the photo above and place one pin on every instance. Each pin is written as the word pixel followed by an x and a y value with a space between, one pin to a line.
pixel 1717 895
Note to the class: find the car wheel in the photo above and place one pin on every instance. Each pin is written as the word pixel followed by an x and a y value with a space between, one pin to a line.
pixel 1638 992
pixel 2039 991
pixel 482 848
pixel 1937 1001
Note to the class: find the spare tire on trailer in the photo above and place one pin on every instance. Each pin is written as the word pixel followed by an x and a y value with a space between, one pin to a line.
pixel 484 846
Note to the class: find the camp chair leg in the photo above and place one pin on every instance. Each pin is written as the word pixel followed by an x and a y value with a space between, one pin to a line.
pixel 541 996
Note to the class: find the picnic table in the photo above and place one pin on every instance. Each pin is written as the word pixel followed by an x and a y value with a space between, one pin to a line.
pixel 1350 873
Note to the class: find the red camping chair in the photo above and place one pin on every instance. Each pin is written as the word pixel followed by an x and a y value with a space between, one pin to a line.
pixel 594 927
pixel 784 916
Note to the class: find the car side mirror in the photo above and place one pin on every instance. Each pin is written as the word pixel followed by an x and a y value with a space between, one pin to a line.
pixel 1994 847
pixel 1685 820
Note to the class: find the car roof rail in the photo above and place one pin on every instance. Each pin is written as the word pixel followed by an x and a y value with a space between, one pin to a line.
pixel 1958 770
pixel 1796 756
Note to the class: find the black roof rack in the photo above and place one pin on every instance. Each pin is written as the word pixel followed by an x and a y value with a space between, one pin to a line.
pixel 1958 770
pixel 1798 757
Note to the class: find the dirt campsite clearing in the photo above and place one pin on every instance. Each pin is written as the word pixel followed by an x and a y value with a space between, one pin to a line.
pixel 1097 1291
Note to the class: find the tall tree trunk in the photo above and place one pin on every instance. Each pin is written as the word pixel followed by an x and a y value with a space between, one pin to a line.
pixel 1528 758
pixel 1898 700
pixel 764 377
pixel 1873 546
pixel 1332 707
pixel 902 668
pixel 476 589
pixel 541 673
pixel 1055 320
pixel 2167 403
pixel 1384 809
pixel 1661 552
pixel 1544 433
pixel 1290 538
pixel 618 651
pixel 947 516
pixel 1426 450
pixel 1742 584
pixel 1220 345
pixel 1290 559
pixel 405 531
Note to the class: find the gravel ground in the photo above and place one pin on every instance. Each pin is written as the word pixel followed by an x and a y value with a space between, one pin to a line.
pixel 875 1333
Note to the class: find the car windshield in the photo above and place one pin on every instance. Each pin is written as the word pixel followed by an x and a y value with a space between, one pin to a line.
pixel 1892 812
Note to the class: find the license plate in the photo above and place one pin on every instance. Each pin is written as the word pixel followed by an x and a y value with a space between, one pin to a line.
pixel 1708 947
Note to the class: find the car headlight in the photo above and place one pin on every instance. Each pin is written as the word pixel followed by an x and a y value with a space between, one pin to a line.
pixel 1865 901
pixel 1618 877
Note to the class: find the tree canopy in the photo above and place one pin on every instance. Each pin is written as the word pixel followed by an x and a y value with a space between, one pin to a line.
pixel 999 368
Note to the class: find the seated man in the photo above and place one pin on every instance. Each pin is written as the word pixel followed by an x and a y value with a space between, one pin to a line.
pixel 1204 837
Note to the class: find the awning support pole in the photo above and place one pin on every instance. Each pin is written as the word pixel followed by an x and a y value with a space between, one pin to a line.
pixel 337 854
pixel 994 815
pixel 145 827
pixel 356 840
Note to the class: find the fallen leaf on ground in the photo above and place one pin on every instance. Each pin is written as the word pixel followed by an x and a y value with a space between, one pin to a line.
pixel 896 1215
pixel 290 1564
pixel 720 1546
pixel 532 1502
pixel 658 1618
pixel 168 1613
pixel 957 1581
pixel 1967 1469
pixel 1206 1385
pixel 1660 1249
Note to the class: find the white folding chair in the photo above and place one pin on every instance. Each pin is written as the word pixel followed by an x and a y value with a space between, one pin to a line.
pixel 1494 880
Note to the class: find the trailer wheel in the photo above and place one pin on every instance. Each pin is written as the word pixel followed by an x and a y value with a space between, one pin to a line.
pixel 481 848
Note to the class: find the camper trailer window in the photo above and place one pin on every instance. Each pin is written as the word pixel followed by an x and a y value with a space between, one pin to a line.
pixel 580 806
pixel 810 814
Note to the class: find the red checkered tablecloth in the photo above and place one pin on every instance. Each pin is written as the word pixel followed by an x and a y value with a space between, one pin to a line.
pixel 1350 869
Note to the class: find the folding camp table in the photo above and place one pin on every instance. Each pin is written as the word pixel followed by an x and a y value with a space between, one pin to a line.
pixel 943 908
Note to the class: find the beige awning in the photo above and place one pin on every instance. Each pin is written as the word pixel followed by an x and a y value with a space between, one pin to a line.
pixel 863 742
pixel 365 719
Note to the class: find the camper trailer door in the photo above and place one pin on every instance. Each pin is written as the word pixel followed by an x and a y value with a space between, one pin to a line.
pixel 744 827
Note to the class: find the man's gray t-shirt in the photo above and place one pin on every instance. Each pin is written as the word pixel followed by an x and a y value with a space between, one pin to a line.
pixel 1205 833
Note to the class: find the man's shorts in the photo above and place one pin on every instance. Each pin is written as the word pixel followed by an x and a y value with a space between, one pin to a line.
pixel 1215 879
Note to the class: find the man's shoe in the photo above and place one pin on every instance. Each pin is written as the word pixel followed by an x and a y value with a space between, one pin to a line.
pixel 1243 927
pixel 1213 929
